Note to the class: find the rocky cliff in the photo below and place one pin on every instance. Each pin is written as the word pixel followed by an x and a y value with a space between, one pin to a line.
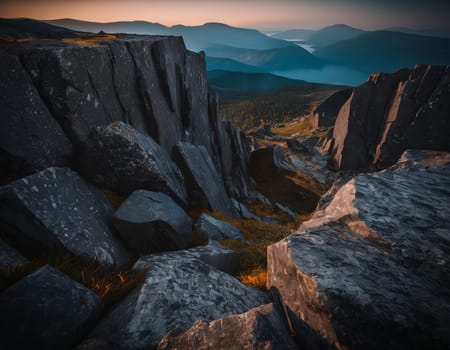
pixel 74 86
pixel 371 270
pixel 391 113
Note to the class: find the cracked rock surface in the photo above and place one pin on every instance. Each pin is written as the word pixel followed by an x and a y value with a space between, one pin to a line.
pixel 371 269
pixel 179 290
pixel 391 113
pixel 56 211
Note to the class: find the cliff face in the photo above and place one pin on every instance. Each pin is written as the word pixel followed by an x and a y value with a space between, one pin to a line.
pixel 391 113
pixel 151 83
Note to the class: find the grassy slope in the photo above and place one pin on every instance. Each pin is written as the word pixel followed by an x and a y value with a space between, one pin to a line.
pixel 249 109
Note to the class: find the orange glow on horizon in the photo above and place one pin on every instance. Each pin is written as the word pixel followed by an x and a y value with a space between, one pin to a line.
pixel 280 14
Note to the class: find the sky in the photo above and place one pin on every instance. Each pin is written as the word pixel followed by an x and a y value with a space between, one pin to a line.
pixel 260 14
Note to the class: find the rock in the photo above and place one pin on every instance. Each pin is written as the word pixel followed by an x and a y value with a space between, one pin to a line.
pixel 30 139
pixel 267 129
pixel 46 310
pixel 9 257
pixel 270 159
pixel 178 291
pixel 314 165
pixel 215 255
pixel 259 328
pixel 325 142
pixel 55 210
pixel 217 229
pixel 119 157
pixel 255 196
pixel 152 222
pixel 240 155
pixel 204 184
pixel 149 82
pixel 325 115
pixel 305 145
pixel 242 211
pixel 264 132
pixel 391 113
pixel 286 210
pixel 371 270
pixel 423 158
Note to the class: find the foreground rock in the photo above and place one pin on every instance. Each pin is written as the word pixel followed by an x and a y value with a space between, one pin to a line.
pixel 149 82
pixel 46 310
pixel 30 139
pixel 179 290
pixel 152 222
pixel 217 229
pixel 9 257
pixel 259 328
pixel 205 186
pixel 121 158
pixel 371 270
pixel 215 255
pixel 391 113
pixel 58 212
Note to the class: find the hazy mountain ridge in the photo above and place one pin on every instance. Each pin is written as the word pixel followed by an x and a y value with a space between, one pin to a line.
pixel 333 34
pixel 249 81
pixel 271 59
pixel 195 37
pixel 19 28
pixel 387 51
pixel 228 64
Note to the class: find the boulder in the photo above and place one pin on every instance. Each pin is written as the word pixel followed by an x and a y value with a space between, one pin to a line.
pixel 205 186
pixel 242 211
pixel 55 210
pixel 325 115
pixel 260 328
pixel 152 222
pixel 216 255
pixel 9 257
pixel 30 139
pixel 371 269
pixel 271 159
pixel 121 158
pixel 179 290
pixel 286 210
pixel 303 144
pixel 391 113
pixel 217 229
pixel 255 196
pixel 46 310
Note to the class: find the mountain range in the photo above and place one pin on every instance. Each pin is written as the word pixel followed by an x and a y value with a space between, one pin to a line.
pixel 387 51
pixel 195 37
pixel 341 53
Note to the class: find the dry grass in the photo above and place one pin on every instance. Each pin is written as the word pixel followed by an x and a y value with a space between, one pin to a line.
pixel 252 253
pixel 111 286
pixel 302 127
pixel 91 39
pixel 114 198
pixel 256 278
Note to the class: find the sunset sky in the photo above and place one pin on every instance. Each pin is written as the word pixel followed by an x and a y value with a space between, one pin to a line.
pixel 261 14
